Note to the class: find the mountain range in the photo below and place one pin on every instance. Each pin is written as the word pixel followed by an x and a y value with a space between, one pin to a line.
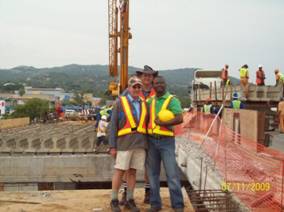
pixel 88 78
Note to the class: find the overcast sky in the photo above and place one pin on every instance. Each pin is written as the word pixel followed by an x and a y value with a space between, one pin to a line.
pixel 167 34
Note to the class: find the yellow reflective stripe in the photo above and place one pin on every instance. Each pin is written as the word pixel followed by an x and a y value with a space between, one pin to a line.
pixel 156 128
pixel 166 102
pixel 153 115
pixel 128 112
pixel 130 118
pixel 124 131
pixel 142 119
pixel 163 132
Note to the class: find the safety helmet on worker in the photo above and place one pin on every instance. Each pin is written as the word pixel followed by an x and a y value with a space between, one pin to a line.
pixel 235 95
pixel 260 66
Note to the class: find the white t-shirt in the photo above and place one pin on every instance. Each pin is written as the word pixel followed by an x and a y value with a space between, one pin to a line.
pixel 102 128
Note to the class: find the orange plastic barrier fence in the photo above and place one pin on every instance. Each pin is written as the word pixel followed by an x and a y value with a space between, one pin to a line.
pixel 253 172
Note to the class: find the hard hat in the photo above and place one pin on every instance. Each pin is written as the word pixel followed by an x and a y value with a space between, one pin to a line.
pixel 165 115
pixel 104 117
pixel 235 95
pixel 260 66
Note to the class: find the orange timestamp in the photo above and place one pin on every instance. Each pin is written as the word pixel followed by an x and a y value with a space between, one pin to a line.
pixel 245 186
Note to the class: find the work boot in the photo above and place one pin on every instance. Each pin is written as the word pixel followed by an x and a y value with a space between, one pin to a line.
pixel 130 204
pixel 147 197
pixel 123 199
pixel 114 204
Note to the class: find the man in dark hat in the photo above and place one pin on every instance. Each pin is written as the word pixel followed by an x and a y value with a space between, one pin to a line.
pixel 147 75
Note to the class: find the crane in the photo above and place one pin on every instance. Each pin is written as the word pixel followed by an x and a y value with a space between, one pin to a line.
pixel 118 16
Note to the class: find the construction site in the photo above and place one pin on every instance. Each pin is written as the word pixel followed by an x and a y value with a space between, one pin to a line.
pixel 224 168
pixel 230 161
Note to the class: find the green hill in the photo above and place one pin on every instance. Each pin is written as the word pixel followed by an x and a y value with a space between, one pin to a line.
pixel 86 78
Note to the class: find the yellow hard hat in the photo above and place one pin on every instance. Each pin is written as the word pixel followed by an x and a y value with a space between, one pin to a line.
pixel 165 115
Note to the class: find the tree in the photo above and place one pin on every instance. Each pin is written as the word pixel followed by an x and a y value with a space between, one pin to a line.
pixel 185 101
pixel 34 108
pixel 21 91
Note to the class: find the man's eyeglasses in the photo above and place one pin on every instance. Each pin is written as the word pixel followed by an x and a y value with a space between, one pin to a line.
pixel 137 87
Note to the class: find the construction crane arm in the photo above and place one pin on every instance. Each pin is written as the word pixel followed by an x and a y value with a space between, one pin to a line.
pixel 118 14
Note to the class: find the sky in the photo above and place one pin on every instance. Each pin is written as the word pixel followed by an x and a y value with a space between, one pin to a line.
pixel 167 34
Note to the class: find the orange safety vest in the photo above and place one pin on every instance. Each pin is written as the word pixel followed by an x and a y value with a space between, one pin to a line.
pixel 152 93
pixel 153 128
pixel 130 124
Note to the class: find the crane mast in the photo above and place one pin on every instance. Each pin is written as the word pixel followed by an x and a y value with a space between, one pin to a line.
pixel 118 14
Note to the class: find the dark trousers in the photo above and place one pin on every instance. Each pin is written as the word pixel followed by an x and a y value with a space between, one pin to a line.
pixel 163 150
pixel 101 139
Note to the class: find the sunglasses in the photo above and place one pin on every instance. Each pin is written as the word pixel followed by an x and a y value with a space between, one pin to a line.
pixel 136 86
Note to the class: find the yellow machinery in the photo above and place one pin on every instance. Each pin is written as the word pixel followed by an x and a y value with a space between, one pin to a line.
pixel 118 15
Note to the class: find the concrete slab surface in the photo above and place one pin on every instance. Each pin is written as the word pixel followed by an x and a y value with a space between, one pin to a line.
pixel 277 141
pixel 74 201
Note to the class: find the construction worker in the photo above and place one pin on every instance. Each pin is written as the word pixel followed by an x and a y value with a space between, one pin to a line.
pixel 146 75
pixel 260 76
pixel 101 133
pixel 128 141
pixel 207 107
pixel 236 102
pixel 161 146
pixel 281 115
pixel 244 76
pixel 207 110
pixel 104 111
pixel 225 76
pixel 279 77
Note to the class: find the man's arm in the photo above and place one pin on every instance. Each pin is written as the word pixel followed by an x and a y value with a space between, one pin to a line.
pixel 113 126
pixel 174 107
pixel 178 119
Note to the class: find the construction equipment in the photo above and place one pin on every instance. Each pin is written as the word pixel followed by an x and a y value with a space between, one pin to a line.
pixel 118 15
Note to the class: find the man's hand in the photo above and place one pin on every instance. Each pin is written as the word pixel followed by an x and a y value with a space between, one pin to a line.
pixel 113 152
pixel 178 119
pixel 158 122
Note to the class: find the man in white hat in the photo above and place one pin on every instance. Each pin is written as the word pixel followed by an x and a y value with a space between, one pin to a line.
pixel 128 141
pixel 146 75
pixel 101 133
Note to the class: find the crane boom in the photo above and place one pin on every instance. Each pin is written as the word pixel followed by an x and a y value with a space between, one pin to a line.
pixel 118 13
pixel 112 29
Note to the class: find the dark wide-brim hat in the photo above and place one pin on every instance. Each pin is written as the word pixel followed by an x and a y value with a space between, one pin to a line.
pixel 147 70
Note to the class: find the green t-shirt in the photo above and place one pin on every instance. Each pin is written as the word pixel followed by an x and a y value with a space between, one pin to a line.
pixel 173 106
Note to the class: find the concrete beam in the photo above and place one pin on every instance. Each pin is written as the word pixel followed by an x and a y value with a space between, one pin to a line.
pixel 59 168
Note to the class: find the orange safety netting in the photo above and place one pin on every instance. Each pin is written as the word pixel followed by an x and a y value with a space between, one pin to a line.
pixel 255 172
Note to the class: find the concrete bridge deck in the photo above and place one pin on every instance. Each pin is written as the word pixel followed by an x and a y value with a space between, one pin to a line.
pixel 74 201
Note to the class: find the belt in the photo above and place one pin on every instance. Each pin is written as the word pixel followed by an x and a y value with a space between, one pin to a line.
pixel 158 137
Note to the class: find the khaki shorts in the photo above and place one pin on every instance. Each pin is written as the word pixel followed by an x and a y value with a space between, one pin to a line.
pixel 130 159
